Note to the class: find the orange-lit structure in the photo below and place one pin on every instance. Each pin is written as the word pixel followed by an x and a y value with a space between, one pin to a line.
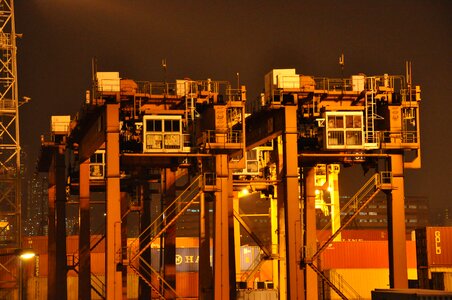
pixel 188 144
pixel 11 170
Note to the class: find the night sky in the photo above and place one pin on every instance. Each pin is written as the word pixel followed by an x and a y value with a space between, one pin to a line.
pixel 217 39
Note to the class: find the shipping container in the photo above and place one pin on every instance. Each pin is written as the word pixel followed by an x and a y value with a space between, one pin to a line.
pixel 356 235
pixel 362 255
pixel 434 247
pixel 411 294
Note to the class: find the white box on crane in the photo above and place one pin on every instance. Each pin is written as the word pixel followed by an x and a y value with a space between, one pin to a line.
pixel 108 81
pixel 60 124
pixel 358 83
pixel 281 79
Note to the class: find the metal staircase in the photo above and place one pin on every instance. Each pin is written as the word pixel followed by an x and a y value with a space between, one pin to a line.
pixel 339 281
pixel 348 212
pixel 97 285
pixel 370 135
pixel 141 265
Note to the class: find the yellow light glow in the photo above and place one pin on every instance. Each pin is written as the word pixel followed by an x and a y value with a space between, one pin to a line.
pixel 317 192
pixel 27 255
pixel 245 191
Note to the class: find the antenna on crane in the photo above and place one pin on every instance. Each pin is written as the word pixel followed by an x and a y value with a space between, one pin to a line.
pixel 165 67
pixel 94 83
pixel 342 64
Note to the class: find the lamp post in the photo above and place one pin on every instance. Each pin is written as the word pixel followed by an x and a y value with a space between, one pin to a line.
pixel 21 255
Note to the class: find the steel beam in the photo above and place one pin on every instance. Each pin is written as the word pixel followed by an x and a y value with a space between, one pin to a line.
pixel 310 232
pixel 113 255
pixel 221 238
pixel 398 276
pixel 145 220
pixel 288 192
pixel 84 274
pixel 205 270
pixel 169 194
pixel 56 284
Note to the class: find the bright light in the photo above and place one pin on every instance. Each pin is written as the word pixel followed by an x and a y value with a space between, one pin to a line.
pixel 317 192
pixel 27 254
pixel 245 191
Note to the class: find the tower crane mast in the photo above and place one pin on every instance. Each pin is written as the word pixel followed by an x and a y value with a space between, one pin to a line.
pixel 10 166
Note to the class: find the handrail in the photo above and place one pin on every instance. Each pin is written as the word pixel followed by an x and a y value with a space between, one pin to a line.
pixel 147 232
pixel 365 194
pixel 159 277
pixel 339 281
pixel 352 202
pixel 149 283
pixel 159 233
pixel 334 287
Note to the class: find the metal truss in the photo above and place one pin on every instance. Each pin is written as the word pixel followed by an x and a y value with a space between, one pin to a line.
pixel 10 167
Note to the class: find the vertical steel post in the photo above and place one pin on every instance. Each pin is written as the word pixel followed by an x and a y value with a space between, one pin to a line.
pixel 57 285
pixel 124 208
pixel 232 236
pixel 282 263
pixel 221 243
pixel 205 270
pixel 145 221
pixel 169 193
pixel 84 282
pixel 289 192
pixel 398 276
pixel 310 231
pixel 51 240
pixel 113 254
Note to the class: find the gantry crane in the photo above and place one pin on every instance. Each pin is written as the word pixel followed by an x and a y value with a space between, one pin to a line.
pixel 156 138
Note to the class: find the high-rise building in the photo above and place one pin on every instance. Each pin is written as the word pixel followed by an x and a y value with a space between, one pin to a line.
pixel 35 221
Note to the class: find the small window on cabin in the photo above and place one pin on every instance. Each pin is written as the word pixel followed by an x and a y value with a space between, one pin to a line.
pixel 154 125
pixel 172 125
pixel 251 155
pixel 353 121
pixel 336 122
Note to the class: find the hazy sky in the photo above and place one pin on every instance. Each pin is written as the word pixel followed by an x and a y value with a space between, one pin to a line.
pixel 217 39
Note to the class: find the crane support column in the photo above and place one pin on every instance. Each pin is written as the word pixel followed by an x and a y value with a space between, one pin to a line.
pixel 84 274
pixel 221 233
pixel 292 211
pixel 310 231
pixel 57 285
pixel 398 277
pixel 113 206
pixel 145 220
pixel 169 192
pixel 205 280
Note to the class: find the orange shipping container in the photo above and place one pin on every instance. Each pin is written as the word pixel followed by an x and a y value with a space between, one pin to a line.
pixel 434 246
pixel 362 255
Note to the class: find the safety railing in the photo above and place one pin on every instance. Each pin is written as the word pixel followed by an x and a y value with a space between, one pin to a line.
pixel 221 137
pixel 349 211
pixel 167 217
pixel 399 137
pixel 187 88
pixel 339 281
pixel 97 284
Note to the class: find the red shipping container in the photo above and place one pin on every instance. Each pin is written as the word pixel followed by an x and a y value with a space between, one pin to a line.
pixel 434 246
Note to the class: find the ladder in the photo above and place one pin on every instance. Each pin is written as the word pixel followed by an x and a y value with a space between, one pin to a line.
pixel 169 216
pixel 370 116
